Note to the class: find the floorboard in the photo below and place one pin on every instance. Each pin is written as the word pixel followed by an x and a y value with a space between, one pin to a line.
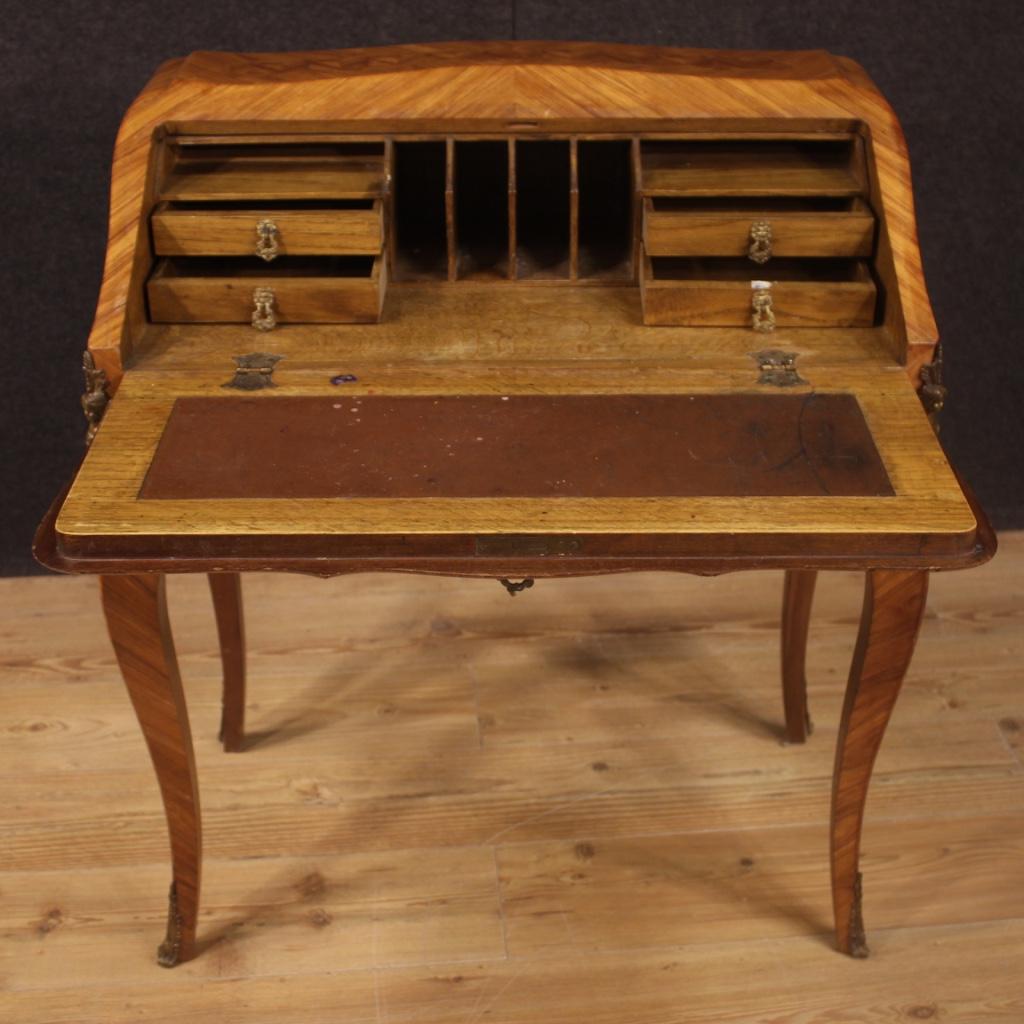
pixel 570 806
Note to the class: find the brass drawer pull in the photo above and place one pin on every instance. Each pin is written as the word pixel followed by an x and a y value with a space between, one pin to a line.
pixel 760 250
pixel 762 318
pixel 263 318
pixel 266 239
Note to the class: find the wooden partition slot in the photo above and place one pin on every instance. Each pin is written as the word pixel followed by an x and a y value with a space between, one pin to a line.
pixel 481 209
pixel 267 171
pixel 512 203
pixel 574 209
pixel 605 209
pixel 542 209
pixel 419 212
pixel 340 289
pixel 388 206
pixel 751 167
pixel 450 227
pixel 719 292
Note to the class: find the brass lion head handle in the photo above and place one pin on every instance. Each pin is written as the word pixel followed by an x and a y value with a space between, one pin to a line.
pixel 267 239
pixel 762 316
pixel 760 250
pixel 263 318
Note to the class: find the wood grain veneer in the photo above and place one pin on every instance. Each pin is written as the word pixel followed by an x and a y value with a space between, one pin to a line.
pixel 707 835
pixel 525 87
pixel 432 337
pixel 695 227
pixel 226 591
pixel 716 293
pixel 927 514
pixel 730 169
pixel 216 229
pixel 797 597
pixel 275 177
pixel 891 618
pixel 340 289
pixel 620 447
pixel 136 613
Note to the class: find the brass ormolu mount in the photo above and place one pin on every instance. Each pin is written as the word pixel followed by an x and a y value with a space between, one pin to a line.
pixel 933 392
pixel 169 951
pixel 858 940
pixel 95 397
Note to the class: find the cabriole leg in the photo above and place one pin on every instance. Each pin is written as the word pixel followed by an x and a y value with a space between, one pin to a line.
pixel 136 611
pixel 797 595
pixel 893 607
pixel 226 588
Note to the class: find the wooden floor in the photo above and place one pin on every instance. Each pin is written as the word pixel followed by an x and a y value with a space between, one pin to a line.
pixel 572 806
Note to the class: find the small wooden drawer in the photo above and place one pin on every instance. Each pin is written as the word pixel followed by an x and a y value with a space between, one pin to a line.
pixel 797 226
pixel 720 292
pixel 344 289
pixel 350 228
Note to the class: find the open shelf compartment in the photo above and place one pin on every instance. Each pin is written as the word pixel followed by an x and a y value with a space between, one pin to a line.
pixel 753 167
pixel 247 172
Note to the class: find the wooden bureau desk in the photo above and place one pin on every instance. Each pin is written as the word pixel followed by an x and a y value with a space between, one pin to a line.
pixel 512 310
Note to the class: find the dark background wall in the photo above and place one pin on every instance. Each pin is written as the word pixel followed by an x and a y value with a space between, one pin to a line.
pixel 951 68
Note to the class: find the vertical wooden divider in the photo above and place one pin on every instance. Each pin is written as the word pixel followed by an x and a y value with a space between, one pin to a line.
pixel 638 210
pixel 390 231
pixel 574 211
pixel 449 209
pixel 513 263
pixel 859 163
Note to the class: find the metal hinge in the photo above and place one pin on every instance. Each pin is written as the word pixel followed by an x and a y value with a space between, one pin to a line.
pixel 254 371
pixel 778 368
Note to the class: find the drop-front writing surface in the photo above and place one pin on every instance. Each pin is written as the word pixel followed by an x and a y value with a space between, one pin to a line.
pixel 478 351
pixel 655 243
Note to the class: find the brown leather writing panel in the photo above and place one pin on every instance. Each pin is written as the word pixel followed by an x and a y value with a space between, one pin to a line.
pixel 549 446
